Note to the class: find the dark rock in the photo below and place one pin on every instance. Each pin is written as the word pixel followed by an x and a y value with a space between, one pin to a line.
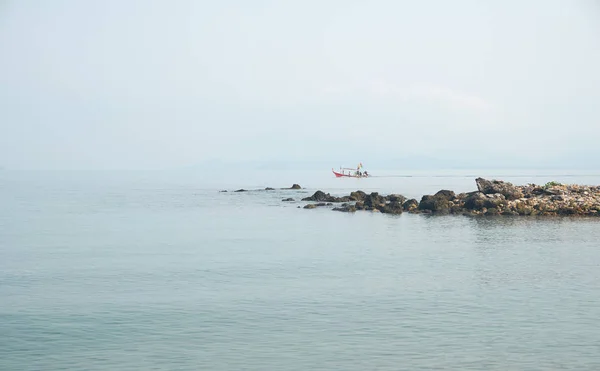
pixel 491 211
pixel 566 210
pixel 345 209
pixel 434 203
pixel 374 199
pixel 313 206
pixel 326 197
pixel 494 201
pixel 523 209
pixel 241 190
pixel 446 194
pixel 396 198
pixel 223 190
pixel 497 186
pixel 475 201
pixel 296 186
pixel 269 189
pixel 534 190
pixel 456 209
pixel 394 207
pixel 359 205
pixel 288 199
pixel 317 196
pixel 410 205
pixel 358 196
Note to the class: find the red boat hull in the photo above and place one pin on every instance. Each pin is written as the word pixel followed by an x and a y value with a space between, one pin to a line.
pixel 340 175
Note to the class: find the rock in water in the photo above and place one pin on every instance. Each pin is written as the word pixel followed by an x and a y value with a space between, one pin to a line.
pixel 394 207
pixel 410 205
pixel 475 201
pixel 436 203
pixel 358 196
pixel 345 209
pixel 296 186
pixel 396 198
pixel 374 200
pixel 317 196
pixel 497 186
pixel 446 194
pixel 326 197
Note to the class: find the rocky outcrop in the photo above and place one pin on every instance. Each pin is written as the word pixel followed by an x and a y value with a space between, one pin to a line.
pixel 391 204
pixel 294 187
pixel 393 207
pixel 497 186
pixel 358 196
pixel 493 197
pixel 289 199
pixel 326 197
pixel 410 205
pixel 375 201
pixel 439 203
pixel 320 204
pixel 346 208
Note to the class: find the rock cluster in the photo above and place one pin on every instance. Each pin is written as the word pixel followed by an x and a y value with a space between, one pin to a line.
pixel 493 197
pixel 294 186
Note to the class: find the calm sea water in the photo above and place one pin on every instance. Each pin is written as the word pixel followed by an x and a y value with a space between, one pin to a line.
pixel 159 271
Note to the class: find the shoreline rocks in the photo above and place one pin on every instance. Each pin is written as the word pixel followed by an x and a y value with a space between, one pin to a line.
pixel 293 187
pixel 492 197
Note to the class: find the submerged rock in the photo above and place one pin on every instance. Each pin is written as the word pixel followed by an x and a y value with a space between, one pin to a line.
pixel 319 204
pixel 345 209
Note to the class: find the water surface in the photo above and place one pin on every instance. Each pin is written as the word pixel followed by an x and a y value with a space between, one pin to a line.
pixel 117 271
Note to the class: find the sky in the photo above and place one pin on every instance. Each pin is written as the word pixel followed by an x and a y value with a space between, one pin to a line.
pixel 171 84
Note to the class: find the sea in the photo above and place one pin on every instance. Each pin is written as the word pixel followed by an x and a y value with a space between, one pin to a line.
pixel 160 270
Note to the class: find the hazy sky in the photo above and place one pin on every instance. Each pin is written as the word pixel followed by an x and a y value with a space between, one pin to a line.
pixel 155 84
